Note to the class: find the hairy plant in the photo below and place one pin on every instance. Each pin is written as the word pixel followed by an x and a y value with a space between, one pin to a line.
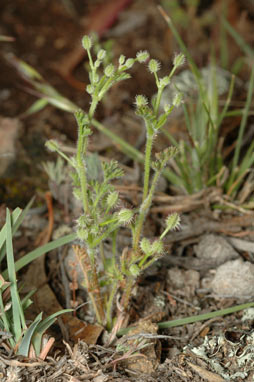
pixel 102 217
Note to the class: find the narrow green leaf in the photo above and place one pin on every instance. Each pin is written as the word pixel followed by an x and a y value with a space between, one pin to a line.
pixel 17 218
pixel 26 341
pixel 43 326
pixel 242 128
pixel 36 106
pixel 29 257
pixel 238 38
pixel 202 317
pixel 18 318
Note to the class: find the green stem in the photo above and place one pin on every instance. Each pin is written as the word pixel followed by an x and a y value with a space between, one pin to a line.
pixel 110 304
pixel 242 128
pixel 81 149
pixel 149 144
pixel 104 236
pixel 158 100
pixel 127 292
pixel 94 292
pixel 92 108
pixel 143 211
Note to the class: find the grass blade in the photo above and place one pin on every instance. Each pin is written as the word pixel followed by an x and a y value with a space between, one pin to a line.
pixel 18 316
pixel 205 316
pixel 238 39
pixel 43 326
pixel 26 341
pixel 242 128
pixel 29 257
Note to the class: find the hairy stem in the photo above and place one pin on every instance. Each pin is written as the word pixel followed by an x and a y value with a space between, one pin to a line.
pixel 94 292
pixel 82 170
pixel 110 303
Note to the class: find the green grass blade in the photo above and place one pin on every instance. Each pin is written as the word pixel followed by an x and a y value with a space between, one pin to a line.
pixel 126 148
pixel 4 321
pixel 205 316
pixel 242 128
pixel 17 218
pixel 26 301
pixel 26 341
pixel 228 100
pixel 14 217
pixel 29 257
pixel 184 49
pixel 36 106
pixel 43 326
pixel 238 39
pixel 17 313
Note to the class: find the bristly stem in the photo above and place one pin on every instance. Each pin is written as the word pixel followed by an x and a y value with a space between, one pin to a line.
pixel 95 293
pixel 110 303
pixel 139 225
pixel 127 292
pixel 143 211
pixel 149 144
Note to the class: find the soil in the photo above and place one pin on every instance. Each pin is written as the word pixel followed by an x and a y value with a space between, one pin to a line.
pixel 47 35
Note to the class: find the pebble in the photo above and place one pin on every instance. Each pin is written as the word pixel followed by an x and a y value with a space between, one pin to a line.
pixel 213 250
pixel 234 279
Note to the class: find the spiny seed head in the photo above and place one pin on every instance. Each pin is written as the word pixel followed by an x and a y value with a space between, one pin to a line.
pixel 145 245
pixel 101 54
pixel 154 65
pixel 157 247
pixel 177 99
pixel 125 216
pixel 109 70
pixel 82 234
pixel 140 101
pixel 179 60
pixel 121 59
pixel 134 270
pixel 86 42
pixel 173 221
pixel 142 56
pixel 112 199
pixel 52 145
pixel 129 63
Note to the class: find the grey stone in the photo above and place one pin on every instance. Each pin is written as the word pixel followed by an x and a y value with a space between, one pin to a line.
pixel 214 250
pixel 234 279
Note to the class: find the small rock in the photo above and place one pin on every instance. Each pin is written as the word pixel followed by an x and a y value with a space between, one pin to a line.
pixel 234 279
pixel 214 250
pixel 181 279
